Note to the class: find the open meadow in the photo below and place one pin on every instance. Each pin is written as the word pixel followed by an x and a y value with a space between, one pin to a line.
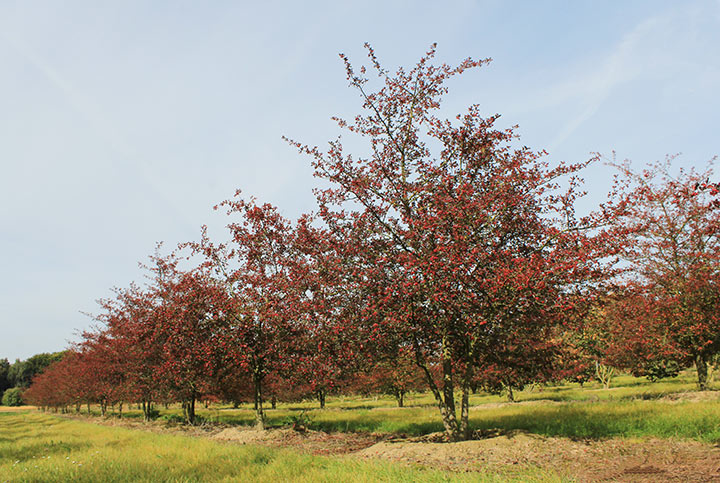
pixel 635 431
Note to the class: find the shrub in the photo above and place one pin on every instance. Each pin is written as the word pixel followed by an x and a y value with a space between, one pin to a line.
pixel 12 397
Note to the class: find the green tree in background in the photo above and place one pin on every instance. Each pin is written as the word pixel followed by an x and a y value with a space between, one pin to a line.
pixel 4 373
pixel 21 373
pixel 12 397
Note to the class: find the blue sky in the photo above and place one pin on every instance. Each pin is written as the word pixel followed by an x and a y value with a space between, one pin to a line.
pixel 123 123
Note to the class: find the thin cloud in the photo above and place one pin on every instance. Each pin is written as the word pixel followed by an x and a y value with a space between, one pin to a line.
pixel 622 65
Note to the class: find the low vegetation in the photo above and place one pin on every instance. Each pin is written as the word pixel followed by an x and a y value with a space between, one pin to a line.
pixel 41 447
pixel 590 424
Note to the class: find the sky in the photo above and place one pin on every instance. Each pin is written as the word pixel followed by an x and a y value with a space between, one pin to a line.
pixel 123 123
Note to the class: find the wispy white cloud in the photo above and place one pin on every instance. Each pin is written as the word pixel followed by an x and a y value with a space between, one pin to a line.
pixel 624 64
pixel 81 104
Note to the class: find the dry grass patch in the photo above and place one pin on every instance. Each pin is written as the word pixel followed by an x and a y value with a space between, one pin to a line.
pixel 651 460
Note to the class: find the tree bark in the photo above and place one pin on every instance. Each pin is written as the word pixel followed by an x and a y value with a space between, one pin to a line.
pixel 321 398
pixel 445 399
pixel 259 413
pixel 189 408
pixel 465 403
pixel 702 371
pixel 510 394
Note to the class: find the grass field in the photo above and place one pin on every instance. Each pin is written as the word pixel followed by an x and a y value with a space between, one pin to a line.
pixel 40 447
pixel 37 446
pixel 633 408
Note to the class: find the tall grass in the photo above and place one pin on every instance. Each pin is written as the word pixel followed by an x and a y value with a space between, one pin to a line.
pixel 36 447
pixel 632 408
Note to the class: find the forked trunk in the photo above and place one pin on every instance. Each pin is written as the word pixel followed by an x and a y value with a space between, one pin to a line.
pixel 445 399
pixel 189 408
pixel 146 410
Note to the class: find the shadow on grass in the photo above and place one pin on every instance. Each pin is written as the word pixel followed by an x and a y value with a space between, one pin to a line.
pixel 28 451
pixel 576 421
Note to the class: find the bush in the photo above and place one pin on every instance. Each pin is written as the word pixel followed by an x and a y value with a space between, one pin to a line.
pixel 299 422
pixel 12 397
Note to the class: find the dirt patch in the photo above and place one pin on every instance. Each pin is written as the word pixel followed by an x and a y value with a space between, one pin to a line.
pixel 531 402
pixel 610 460
pixel 316 442
pixel 696 396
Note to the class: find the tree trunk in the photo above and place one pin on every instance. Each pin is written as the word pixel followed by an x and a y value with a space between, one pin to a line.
pixel 510 394
pixel 259 413
pixel 465 403
pixel 400 396
pixel 445 399
pixel 702 371
pixel 321 398
pixel 120 405
pixel 189 408
pixel 146 410
pixel 273 402
pixel 604 374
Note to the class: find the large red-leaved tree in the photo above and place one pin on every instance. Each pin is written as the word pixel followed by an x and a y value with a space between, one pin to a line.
pixel 468 243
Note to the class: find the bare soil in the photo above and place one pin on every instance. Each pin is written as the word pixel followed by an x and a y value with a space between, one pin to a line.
pixel 652 460
pixel 316 442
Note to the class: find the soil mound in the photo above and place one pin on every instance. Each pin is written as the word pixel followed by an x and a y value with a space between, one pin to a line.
pixel 611 460
pixel 316 442
pixel 695 396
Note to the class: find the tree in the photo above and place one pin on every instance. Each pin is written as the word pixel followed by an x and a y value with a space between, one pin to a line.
pixel 671 226
pixel 255 268
pixel 193 325
pixel 395 375
pixel 12 397
pixel 4 375
pixel 21 373
pixel 466 242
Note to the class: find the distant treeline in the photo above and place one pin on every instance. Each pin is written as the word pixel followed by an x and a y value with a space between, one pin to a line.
pixel 19 375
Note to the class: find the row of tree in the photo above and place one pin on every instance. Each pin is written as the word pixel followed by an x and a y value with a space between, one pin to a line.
pixel 445 256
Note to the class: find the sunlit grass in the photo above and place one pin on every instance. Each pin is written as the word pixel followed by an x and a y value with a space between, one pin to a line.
pixel 38 447
pixel 631 408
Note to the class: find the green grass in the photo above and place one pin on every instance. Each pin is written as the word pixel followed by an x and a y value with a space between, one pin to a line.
pixel 40 447
pixel 631 408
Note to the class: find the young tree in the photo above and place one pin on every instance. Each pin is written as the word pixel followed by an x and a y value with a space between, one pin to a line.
pixel 255 270
pixel 671 225
pixel 466 241
pixel 192 325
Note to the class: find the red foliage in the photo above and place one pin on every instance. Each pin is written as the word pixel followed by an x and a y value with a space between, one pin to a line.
pixel 467 242
pixel 671 225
